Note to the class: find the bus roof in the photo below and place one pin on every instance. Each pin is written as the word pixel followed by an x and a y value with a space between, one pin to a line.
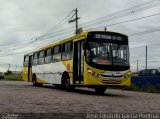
pixel 75 37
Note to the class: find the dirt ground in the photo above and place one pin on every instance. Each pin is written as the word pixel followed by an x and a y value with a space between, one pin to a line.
pixel 22 97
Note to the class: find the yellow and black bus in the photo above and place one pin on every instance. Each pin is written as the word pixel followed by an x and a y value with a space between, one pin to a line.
pixel 94 59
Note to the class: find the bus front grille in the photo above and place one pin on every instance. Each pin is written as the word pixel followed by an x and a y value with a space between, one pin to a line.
pixel 109 76
pixel 111 81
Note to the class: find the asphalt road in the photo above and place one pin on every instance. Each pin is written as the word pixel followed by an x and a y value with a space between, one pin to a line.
pixel 22 97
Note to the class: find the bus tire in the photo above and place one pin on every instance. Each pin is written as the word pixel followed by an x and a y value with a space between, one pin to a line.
pixel 100 89
pixel 66 84
pixel 34 81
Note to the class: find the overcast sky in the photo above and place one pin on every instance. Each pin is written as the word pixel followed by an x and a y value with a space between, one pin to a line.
pixel 24 20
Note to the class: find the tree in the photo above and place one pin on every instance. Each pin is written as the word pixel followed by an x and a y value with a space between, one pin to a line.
pixel 8 72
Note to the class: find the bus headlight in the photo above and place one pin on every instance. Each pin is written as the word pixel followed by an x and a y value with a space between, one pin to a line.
pixel 89 71
pixel 127 75
pixel 92 73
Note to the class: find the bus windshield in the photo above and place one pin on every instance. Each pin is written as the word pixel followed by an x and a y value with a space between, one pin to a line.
pixel 103 53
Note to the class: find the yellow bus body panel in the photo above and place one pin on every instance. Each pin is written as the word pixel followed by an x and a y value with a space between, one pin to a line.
pixel 25 73
pixel 39 80
pixel 92 80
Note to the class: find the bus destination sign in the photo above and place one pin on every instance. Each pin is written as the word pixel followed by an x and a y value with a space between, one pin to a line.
pixel 108 37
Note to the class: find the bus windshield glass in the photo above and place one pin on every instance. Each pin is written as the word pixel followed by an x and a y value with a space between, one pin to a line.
pixel 102 53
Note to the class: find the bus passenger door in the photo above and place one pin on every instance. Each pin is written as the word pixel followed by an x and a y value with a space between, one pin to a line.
pixel 30 69
pixel 78 64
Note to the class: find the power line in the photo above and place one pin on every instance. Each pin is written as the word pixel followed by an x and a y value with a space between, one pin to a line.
pixel 144 32
pixel 36 40
pixel 67 30
pixel 125 12
pixel 145 45
pixel 58 25
pixel 31 50
pixel 52 35
pixel 10 64
pixel 131 35
pixel 150 60
pixel 130 20
pixel 70 29
pixel 136 34
pixel 150 4
pixel 21 43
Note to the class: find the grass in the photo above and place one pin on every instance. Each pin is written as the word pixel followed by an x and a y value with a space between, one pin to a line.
pixel 13 77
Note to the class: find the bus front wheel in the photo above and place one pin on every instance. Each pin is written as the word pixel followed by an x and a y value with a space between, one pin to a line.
pixel 66 84
pixel 34 81
pixel 100 89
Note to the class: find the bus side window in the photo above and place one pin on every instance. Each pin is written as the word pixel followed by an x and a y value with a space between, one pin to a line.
pixel 35 59
pixel 41 58
pixel 26 61
pixel 57 53
pixel 48 57
pixel 67 51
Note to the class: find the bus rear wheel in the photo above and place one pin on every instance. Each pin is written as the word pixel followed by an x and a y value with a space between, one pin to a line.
pixel 100 89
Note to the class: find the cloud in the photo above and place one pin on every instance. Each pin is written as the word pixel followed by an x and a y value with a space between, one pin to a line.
pixel 23 20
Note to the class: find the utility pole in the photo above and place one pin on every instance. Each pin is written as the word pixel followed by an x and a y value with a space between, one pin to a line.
pixel 146 57
pixel 105 28
pixel 137 67
pixel 9 66
pixel 75 19
pixel 15 70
